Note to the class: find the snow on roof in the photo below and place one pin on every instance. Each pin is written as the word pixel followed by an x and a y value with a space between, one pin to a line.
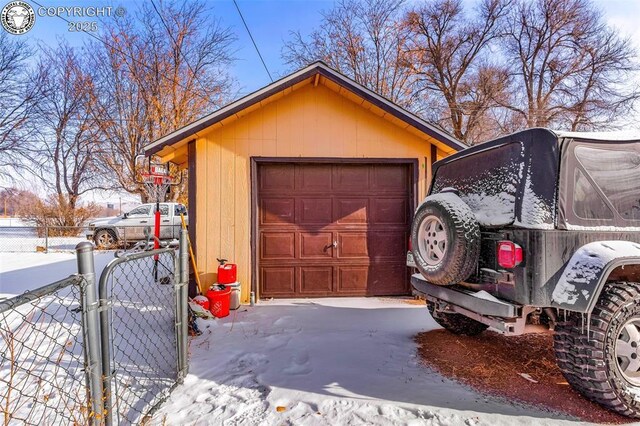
pixel 618 135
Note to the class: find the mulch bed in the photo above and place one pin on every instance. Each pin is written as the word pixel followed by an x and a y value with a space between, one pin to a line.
pixel 493 364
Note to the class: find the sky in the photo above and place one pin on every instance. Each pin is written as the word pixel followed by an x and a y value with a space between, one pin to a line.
pixel 270 22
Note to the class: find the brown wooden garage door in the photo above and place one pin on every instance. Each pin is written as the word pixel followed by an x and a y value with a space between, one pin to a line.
pixel 333 229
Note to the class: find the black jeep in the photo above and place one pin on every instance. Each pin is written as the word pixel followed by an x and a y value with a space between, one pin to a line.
pixel 540 230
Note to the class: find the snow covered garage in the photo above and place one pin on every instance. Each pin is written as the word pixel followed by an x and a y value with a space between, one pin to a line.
pixel 308 185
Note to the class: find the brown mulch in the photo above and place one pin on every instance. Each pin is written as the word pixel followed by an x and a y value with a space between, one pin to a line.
pixel 492 363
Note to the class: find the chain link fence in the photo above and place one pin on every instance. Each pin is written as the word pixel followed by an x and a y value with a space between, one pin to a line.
pixel 42 379
pixel 75 352
pixel 65 238
pixel 43 238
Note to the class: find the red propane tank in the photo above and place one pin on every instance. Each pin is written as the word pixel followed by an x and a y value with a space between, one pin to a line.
pixel 219 300
pixel 227 272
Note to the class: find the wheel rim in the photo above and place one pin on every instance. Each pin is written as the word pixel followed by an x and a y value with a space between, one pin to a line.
pixel 105 239
pixel 432 240
pixel 627 351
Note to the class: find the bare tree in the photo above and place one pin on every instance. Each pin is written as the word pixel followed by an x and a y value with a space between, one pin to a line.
pixel 571 70
pixel 16 101
pixel 363 40
pixel 64 157
pixel 449 55
pixel 157 71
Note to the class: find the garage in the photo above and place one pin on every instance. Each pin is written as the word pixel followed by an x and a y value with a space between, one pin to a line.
pixel 333 229
pixel 308 185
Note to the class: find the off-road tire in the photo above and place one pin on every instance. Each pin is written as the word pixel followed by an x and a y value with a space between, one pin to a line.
pixel 456 323
pixel 99 241
pixel 588 360
pixel 463 233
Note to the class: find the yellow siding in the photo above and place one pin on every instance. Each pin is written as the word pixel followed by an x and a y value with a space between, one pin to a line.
pixel 308 122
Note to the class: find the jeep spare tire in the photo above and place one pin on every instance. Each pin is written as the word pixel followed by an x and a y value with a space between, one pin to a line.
pixel 445 239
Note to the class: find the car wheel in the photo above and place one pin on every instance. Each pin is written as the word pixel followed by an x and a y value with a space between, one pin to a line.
pixel 445 239
pixel 105 239
pixel 456 323
pixel 601 359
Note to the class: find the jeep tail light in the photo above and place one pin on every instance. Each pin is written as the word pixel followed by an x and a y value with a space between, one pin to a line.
pixel 410 245
pixel 509 254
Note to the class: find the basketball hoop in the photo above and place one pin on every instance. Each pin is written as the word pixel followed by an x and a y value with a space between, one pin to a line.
pixel 157 185
pixel 157 179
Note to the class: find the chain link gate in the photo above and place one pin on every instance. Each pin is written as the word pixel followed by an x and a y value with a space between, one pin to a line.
pixel 143 298
pixel 143 323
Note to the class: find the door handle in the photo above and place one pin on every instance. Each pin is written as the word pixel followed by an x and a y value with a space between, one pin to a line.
pixel 331 245
pixel 165 221
pixel 143 221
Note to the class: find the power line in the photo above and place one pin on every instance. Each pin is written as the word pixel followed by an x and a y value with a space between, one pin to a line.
pixel 252 40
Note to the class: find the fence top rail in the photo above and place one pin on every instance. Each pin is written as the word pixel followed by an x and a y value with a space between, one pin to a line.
pixel 106 272
pixel 38 293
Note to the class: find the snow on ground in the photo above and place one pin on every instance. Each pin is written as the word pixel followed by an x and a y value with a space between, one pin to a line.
pixel 20 272
pixel 326 362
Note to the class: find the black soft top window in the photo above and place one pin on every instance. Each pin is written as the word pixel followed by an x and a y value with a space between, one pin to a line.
pixel 605 186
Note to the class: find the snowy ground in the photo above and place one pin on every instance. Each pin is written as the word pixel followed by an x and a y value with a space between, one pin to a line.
pixel 326 362
pixel 20 272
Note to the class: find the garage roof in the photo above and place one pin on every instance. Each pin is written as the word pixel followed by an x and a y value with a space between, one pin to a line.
pixel 316 68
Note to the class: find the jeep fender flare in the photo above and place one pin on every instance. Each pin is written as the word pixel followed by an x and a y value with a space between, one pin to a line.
pixel 586 273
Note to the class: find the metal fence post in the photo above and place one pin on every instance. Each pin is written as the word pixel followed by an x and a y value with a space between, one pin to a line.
pixel 46 238
pixel 91 330
pixel 182 315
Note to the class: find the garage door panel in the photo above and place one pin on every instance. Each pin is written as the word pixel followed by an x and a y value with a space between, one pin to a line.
pixel 316 280
pixel 389 178
pixel 353 279
pixel 387 245
pixel 384 279
pixel 352 245
pixel 278 245
pixel 277 211
pixel 351 210
pixel 349 178
pixel 314 178
pixel 277 177
pixel 278 281
pixel 316 245
pixel 389 211
pixel 314 211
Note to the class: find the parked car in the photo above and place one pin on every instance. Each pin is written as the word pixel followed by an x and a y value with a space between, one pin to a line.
pixel 111 232
pixel 541 230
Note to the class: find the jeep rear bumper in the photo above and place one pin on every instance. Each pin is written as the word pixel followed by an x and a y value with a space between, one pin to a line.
pixel 463 298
